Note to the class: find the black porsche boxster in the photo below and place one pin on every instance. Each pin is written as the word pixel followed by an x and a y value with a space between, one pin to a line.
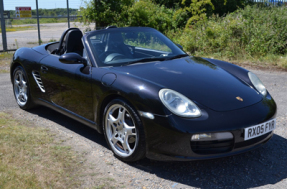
pixel 146 95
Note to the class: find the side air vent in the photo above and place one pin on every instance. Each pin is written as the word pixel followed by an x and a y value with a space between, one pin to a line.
pixel 38 80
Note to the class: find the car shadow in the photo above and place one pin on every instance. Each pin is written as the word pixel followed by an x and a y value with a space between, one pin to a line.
pixel 262 166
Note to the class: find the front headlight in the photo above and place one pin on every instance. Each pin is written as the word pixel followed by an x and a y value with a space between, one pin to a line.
pixel 257 83
pixel 178 104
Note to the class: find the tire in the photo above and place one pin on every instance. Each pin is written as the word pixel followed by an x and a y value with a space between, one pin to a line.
pixel 124 131
pixel 21 89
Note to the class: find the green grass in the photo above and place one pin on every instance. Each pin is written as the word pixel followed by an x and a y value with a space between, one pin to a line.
pixel 30 158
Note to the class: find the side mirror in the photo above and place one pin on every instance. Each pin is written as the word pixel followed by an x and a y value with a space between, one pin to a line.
pixel 180 46
pixel 72 58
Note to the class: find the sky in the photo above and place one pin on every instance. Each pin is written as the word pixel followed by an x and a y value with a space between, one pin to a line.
pixel 43 4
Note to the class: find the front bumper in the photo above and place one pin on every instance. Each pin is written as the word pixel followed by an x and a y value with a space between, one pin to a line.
pixel 169 138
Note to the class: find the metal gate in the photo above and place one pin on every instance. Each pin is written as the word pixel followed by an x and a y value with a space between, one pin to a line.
pixel 36 33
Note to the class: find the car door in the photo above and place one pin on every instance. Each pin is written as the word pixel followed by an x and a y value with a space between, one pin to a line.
pixel 68 86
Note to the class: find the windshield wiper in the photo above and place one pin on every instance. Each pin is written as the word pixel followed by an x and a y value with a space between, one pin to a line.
pixel 146 60
pixel 155 59
pixel 177 56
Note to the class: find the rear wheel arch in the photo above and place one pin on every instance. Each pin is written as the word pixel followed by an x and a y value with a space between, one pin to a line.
pixel 12 69
pixel 29 103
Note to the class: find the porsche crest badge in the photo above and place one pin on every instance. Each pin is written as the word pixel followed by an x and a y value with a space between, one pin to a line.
pixel 239 98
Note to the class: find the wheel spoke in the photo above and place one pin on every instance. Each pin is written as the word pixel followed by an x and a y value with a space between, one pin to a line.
pixel 17 82
pixel 111 118
pixel 19 97
pixel 114 139
pixel 109 122
pixel 121 115
pixel 129 131
pixel 21 78
pixel 110 128
pixel 24 85
pixel 126 146
pixel 25 97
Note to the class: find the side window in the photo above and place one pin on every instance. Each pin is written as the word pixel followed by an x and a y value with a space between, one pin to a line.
pixel 98 42
pixel 98 38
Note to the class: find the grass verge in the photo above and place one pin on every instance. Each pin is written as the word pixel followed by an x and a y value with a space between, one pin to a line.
pixel 18 28
pixel 30 158
pixel 5 59
pixel 34 21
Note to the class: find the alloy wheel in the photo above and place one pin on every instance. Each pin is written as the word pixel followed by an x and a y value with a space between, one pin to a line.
pixel 20 88
pixel 121 130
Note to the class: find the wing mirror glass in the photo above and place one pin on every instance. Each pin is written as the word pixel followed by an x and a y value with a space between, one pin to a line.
pixel 72 58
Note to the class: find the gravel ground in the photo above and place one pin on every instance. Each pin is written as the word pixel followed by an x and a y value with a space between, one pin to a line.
pixel 265 167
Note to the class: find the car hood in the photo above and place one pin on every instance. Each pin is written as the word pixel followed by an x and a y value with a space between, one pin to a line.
pixel 201 81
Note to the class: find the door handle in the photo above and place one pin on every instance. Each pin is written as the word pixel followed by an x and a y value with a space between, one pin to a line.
pixel 44 69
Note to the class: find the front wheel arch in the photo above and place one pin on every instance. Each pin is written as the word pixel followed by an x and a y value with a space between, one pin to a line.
pixel 129 120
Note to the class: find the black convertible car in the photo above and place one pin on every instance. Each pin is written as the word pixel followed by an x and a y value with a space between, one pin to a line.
pixel 146 95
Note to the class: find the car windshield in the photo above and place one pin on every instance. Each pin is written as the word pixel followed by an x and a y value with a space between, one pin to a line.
pixel 124 46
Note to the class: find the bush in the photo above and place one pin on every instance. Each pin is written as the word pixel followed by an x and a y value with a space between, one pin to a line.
pixel 146 13
pixel 251 31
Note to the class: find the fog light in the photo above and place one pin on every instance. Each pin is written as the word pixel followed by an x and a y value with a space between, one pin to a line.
pixel 212 136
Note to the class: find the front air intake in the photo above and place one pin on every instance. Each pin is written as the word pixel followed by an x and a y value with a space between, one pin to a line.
pixel 38 80
pixel 212 147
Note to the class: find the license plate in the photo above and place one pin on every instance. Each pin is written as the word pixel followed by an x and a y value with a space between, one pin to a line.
pixel 260 129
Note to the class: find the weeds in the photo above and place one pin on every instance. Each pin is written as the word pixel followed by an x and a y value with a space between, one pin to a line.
pixel 52 40
pixel 16 43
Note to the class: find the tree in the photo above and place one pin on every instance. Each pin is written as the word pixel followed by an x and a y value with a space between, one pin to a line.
pixel 105 12
pixel 172 4
pixel 221 7
pixel 198 9
pixel 147 13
